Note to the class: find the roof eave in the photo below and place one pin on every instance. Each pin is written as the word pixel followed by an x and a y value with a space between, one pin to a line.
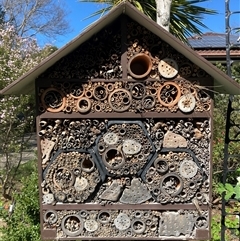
pixel 19 86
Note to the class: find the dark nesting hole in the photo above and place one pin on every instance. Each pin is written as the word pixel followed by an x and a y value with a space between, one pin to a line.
pixel 87 164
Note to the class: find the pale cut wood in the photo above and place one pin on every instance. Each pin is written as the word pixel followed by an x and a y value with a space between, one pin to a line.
pixel 163 13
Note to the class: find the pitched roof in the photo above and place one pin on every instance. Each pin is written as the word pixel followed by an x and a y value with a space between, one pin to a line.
pixel 213 41
pixel 26 83
pixel 213 46
pixel 218 54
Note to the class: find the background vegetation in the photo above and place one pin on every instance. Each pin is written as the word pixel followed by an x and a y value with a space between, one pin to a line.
pixel 185 15
pixel 21 23
pixel 23 224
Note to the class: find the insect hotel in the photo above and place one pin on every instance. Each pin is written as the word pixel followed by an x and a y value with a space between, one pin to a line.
pixel 124 123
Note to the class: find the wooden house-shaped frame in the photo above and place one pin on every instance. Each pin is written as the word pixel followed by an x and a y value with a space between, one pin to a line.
pixel 124 123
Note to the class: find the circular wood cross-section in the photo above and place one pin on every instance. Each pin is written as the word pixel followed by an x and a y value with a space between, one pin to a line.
pixel 53 100
pixel 169 94
pixel 187 103
pixel 83 105
pixel 168 68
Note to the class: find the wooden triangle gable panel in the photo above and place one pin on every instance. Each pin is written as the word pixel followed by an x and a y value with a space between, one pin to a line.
pixel 88 57
pixel 100 56
pixel 95 58
pixel 124 67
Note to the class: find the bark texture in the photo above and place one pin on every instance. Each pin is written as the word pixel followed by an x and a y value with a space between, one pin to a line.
pixel 163 13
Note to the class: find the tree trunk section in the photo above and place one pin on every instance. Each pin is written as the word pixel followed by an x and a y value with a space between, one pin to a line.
pixel 163 13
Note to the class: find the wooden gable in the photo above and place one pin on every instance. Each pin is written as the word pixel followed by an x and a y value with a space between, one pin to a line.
pixel 26 84
pixel 129 52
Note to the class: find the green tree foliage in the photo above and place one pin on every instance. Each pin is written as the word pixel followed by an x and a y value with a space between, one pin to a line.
pixel 17 56
pixel 220 112
pixel 23 223
pixel 186 16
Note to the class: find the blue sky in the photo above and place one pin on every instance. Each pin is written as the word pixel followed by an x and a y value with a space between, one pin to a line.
pixel 79 11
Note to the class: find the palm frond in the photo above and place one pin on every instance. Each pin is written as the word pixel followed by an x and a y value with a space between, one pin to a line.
pixel 186 15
